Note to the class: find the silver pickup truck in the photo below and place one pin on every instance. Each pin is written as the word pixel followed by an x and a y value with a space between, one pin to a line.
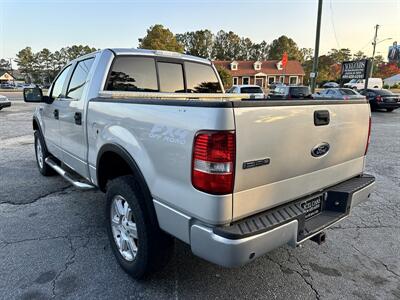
pixel 177 157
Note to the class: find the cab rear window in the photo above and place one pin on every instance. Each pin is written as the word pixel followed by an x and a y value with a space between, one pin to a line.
pixel 201 78
pixel 137 74
pixel 148 74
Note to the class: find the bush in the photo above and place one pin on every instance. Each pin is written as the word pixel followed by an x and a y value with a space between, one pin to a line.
pixel 395 86
pixel 386 86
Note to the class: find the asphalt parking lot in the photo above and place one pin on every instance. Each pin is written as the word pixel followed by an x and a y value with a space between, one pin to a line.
pixel 53 242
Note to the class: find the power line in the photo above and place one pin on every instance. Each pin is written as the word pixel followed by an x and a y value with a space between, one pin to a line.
pixel 333 25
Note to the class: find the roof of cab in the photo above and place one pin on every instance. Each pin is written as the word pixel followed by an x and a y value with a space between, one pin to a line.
pixel 158 53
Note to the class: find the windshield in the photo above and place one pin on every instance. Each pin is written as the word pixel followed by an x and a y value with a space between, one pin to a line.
pixel 353 81
pixel 251 90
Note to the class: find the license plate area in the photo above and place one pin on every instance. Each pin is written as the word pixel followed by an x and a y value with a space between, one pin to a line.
pixel 312 207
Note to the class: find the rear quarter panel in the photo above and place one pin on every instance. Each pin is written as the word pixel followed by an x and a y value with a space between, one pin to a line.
pixel 160 139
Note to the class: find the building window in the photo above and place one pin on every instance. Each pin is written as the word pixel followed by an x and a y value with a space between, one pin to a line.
pixel 257 66
pixel 235 81
pixel 293 80
pixel 234 65
pixel 271 79
pixel 245 80
pixel 282 79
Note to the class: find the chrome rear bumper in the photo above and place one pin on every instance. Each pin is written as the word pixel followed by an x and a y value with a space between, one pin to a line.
pixel 229 250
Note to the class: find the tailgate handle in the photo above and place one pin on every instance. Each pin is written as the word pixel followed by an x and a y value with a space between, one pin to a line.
pixel 321 117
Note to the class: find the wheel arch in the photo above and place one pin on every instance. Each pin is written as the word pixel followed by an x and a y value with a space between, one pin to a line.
pixel 120 155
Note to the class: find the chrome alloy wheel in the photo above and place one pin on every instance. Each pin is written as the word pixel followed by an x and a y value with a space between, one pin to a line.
pixel 123 228
pixel 39 154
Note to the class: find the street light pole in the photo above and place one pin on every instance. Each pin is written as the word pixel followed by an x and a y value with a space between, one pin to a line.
pixel 316 49
pixel 373 51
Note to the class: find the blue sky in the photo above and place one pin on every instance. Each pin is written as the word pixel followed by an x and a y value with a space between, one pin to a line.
pixel 54 24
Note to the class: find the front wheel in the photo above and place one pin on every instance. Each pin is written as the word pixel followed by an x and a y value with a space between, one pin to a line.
pixel 139 246
pixel 41 154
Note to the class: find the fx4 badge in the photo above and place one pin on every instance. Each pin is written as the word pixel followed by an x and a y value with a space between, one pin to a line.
pixel 320 150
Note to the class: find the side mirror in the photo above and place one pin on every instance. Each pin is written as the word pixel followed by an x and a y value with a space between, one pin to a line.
pixel 35 95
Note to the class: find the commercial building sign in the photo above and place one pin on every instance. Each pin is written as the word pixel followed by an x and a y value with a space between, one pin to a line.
pixel 357 69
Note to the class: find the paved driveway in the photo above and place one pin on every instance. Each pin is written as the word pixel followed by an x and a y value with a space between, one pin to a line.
pixel 53 242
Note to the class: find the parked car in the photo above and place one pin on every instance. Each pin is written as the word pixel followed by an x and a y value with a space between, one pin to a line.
pixel 254 91
pixel 291 92
pixel 233 179
pixel 4 102
pixel 338 94
pixel 274 85
pixel 382 99
pixel 330 84
pixel 6 86
pixel 359 84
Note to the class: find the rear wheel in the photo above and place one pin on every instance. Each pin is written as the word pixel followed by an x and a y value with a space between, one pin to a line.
pixel 139 246
pixel 41 154
pixel 389 109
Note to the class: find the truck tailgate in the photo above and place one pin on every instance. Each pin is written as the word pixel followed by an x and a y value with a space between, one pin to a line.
pixel 274 161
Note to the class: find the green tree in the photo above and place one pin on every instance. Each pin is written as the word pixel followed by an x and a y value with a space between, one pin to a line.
pixel 26 62
pixel 160 38
pixel 306 54
pixel 225 76
pixel 227 46
pixel 284 44
pixel 197 43
pixel 259 51
pixel 340 55
pixel 4 65
pixel 359 55
pixel 76 51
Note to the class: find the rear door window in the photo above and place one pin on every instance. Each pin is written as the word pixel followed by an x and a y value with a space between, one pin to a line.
pixel 137 74
pixel 171 77
pixel 201 78
pixel 79 79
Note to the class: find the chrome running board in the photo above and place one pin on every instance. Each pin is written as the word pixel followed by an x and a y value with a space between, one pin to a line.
pixel 78 184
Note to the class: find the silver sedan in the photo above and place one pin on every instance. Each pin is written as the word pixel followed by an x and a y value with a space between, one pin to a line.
pixel 338 94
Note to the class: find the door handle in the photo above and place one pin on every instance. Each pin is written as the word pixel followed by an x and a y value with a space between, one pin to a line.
pixel 321 117
pixel 78 118
pixel 55 113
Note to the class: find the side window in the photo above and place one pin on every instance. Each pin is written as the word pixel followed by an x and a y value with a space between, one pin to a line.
pixel 171 77
pixel 59 83
pixel 79 79
pixel 201 78
pixel 136 74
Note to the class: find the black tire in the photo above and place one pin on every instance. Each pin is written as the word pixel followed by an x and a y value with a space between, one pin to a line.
pixel 44 169
pixel 389 109
pixel 154 247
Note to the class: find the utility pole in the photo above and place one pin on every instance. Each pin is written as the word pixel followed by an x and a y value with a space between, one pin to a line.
pixel 373 51
pixel 316 49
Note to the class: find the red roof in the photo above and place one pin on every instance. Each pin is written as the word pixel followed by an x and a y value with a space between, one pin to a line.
pixel 246 68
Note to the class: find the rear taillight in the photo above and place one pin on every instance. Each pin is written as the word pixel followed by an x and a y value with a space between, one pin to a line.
pixel 213 163
pixel 378 98
pixel 369 136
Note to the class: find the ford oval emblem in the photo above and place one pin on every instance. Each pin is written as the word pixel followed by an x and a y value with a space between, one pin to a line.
pixel 320 150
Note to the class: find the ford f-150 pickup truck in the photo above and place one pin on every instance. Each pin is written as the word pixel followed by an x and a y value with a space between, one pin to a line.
pixel 177 157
